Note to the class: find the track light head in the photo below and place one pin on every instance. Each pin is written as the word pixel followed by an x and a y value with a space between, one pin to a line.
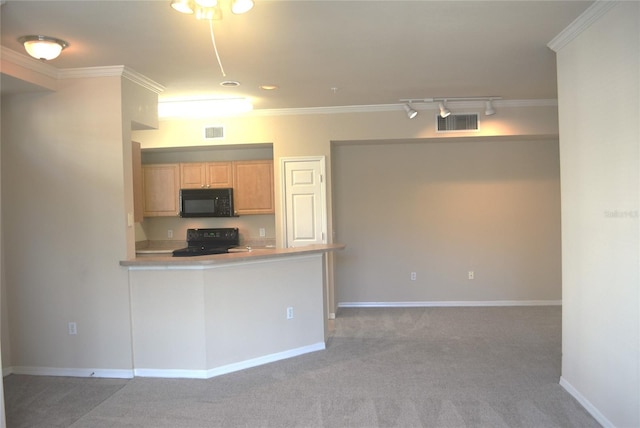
pixel 488 108
pixel 411 113
pixel 444 111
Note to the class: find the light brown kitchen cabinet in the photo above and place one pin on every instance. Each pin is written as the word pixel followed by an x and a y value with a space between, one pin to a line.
pixel 161 183
pixel 205 175
pixel 253 187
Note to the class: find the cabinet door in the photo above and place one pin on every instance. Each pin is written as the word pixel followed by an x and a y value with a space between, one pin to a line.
pixel 219 174
pixel 161 184
pixel 253 187
pixel 193 175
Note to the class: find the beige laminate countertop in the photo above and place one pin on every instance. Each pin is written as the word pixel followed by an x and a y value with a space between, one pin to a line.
pixel 253 254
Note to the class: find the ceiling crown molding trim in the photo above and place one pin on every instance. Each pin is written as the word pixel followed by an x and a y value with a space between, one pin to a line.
pixel 323 110
pixel 109 71
pixel 142 80
pixel 581 23
pixel 41 67
pixel 27 62
pixel 397 107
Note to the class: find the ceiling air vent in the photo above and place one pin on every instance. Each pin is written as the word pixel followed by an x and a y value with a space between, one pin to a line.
pixel 458 122
pixel 214 133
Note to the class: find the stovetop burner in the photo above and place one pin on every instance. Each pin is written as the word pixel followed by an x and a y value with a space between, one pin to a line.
pixel 202 242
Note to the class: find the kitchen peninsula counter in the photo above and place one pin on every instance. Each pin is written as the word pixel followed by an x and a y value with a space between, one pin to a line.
pixel 205 316
pixel 239 255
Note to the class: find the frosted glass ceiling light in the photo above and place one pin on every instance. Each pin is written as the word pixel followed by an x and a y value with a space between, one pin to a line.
pixel 444 111
pixel 183 6
pixel 411 113
pixel 488 108
pixel 43 47
pixel 207 3
pixel 241 6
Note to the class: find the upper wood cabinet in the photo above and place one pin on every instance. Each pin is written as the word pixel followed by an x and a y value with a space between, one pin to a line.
pixel 197 175
pixel 161 183
pixel 253 187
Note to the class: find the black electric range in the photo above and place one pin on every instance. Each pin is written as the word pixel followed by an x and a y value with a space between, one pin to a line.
pixel 201 242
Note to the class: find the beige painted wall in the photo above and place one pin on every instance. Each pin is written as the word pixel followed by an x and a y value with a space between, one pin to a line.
pixel 71 151
pixel 65 170
pixel 442 209
pixel 600 167
pixel 312 134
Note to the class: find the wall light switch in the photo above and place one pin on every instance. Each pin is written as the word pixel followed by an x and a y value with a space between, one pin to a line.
pixel 263 232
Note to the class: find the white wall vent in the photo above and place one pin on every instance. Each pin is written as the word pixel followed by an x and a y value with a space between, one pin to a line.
pixel 214 132
pixel 458 122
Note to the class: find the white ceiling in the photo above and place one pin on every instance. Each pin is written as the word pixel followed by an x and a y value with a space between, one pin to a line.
pixel 373 52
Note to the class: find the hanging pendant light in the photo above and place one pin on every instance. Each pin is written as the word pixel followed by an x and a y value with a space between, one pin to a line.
pixel 183 6
pixel 239 7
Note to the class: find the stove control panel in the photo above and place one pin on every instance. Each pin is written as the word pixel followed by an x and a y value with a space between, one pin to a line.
pixel 211 237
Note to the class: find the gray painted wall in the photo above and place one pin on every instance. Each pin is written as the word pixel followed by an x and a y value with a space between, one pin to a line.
pixel 442 209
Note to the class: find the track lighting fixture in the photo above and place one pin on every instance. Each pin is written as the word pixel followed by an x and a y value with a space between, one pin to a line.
pixel 444 111
pixel 488 108
pixel 411 113
pixel 409 104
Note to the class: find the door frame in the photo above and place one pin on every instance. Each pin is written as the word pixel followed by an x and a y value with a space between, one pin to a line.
pixel 283 191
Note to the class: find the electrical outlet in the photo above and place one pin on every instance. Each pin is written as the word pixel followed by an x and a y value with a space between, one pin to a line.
pixel 471 274
pixel 413 276
pixel 290 312
pixel 169 233
pixel 73 328
pixel 263 232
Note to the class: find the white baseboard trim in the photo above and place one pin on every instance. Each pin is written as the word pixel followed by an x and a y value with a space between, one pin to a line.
pixel 450 303
pixel 67 372
pixel 593 410
pixel 230 368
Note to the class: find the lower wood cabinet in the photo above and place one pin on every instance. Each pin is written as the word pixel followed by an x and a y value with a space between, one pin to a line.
pixel 161 183
pixel 253 187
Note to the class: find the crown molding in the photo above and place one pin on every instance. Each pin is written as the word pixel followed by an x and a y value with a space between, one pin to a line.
pixel 25 61
pixel 581 23
pixel 142 80
pixel 376 108
pixel 41 67
pixel 114 70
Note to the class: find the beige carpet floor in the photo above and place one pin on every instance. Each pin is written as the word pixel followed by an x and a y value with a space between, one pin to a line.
pixel 383 367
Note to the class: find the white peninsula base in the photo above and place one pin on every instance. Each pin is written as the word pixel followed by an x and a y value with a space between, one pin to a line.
pixel 199 320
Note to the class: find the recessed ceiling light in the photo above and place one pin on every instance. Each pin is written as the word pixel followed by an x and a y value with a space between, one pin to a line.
pixel 229 83
pixel 268 87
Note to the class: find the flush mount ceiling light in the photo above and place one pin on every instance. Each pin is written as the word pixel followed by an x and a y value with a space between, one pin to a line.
pixel 43 47
pixel 411 113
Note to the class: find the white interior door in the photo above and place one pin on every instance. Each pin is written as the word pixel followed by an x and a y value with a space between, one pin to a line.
pixel 304 191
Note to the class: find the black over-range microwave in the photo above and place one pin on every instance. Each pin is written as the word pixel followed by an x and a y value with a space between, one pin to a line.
pixel 206 203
